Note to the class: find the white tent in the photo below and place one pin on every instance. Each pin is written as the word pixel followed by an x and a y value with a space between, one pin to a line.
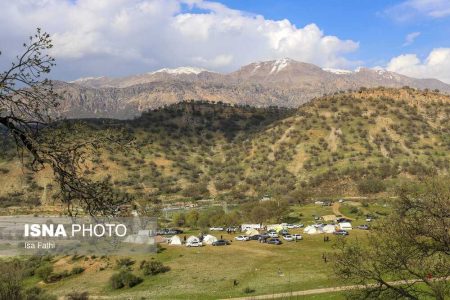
pixel 313 230
pixel 175 240
pixel 209 239
pixel 252 232
pixel 345 226
pixel 276 227
pixel 192 239
pixel 329 228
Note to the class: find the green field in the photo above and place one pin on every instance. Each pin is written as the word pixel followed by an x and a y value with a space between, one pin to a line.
pixel 209 272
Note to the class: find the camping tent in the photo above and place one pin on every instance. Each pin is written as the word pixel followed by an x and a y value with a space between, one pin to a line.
pixel 175 240
pixel 276 227
pixel 209 239
pixel 329 228
pixel 313 230
pixel 192 239
pixel 160 239
pixel 345 226
pixel 252 232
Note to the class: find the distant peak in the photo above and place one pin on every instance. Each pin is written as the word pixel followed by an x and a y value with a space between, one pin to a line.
pixel 181 70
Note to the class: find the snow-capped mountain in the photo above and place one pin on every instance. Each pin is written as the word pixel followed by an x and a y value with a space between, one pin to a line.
pixel 282 82
pixel 180 70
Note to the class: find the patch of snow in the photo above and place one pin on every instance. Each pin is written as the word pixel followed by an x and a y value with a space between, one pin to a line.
pixel 279 65
pixel 258 65
pixel 84 79
pixel 181 70
pixel 337 71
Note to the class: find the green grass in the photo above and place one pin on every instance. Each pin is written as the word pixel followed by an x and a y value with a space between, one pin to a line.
pixel 209 272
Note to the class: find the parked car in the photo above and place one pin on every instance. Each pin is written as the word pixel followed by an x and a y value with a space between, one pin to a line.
pixel 290 226
pixel 288 237
pixel 194 244
pixel 343 220
pixel 297 236
pixel 255 237
pixel 272 234
pixel 231 229
pixel 274 241
pixel 169 231
pixel 283 232
pixel 369 219
pixel 299 225
pixel 242 238
pixel 221 243
pixel 340 232
pixel 363 227
pixel 216 229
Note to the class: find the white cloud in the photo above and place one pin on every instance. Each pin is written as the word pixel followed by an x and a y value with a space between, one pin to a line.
pixel 436 65
pixel 410 38
pixel 119 37
pixel 410 9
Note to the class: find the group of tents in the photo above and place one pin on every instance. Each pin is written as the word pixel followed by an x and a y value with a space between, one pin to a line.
pixel 330 228
pixel 207 239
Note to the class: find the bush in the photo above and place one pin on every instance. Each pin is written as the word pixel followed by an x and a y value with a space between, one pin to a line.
pixel 77 270
pixel 78 296
pixel 124 279
pixel 248 290
pixel 36 293
pixel 124 262
pixel 371 186
pixel 44 272
pixel 153 267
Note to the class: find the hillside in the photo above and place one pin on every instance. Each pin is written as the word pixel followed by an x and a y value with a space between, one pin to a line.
pixel 344 144
pixel 284 83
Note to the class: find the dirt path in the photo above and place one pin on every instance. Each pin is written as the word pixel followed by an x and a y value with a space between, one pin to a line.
pixel 336 211
pixel 325 290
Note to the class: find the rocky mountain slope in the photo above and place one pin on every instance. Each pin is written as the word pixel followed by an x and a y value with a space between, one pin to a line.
pixel 284 82
pixel 345 144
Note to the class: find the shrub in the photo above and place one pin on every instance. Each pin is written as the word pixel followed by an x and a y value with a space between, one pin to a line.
pixel 36 293
pixel 44 272
pixel 371 186
pixel 124 279
pixel 248 290
pixel 77 270
pixel 125 262
pixel 78 296
pixel 153 267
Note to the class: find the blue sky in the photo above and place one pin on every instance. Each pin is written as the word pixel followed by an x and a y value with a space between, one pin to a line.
pixel 367 21
pixel 124 37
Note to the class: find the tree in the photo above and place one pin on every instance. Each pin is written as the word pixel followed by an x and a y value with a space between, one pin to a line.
pixel 28 106
pixel 412 246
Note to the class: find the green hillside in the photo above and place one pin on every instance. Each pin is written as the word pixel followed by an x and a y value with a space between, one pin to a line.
pixel 344 144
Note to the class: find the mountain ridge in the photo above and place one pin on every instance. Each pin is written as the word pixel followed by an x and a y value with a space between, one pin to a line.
pixel 283 82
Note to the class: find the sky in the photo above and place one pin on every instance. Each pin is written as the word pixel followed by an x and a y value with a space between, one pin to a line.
pixel 123 37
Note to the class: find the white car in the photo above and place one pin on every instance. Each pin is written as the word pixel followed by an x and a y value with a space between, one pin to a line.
pixel 242 238
pixel 194 244
pixel 299 225
pixel 272 234
pixel 369 220
pixel 288 237
pixel 216 229
pixel 290 226
pixel 297 236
